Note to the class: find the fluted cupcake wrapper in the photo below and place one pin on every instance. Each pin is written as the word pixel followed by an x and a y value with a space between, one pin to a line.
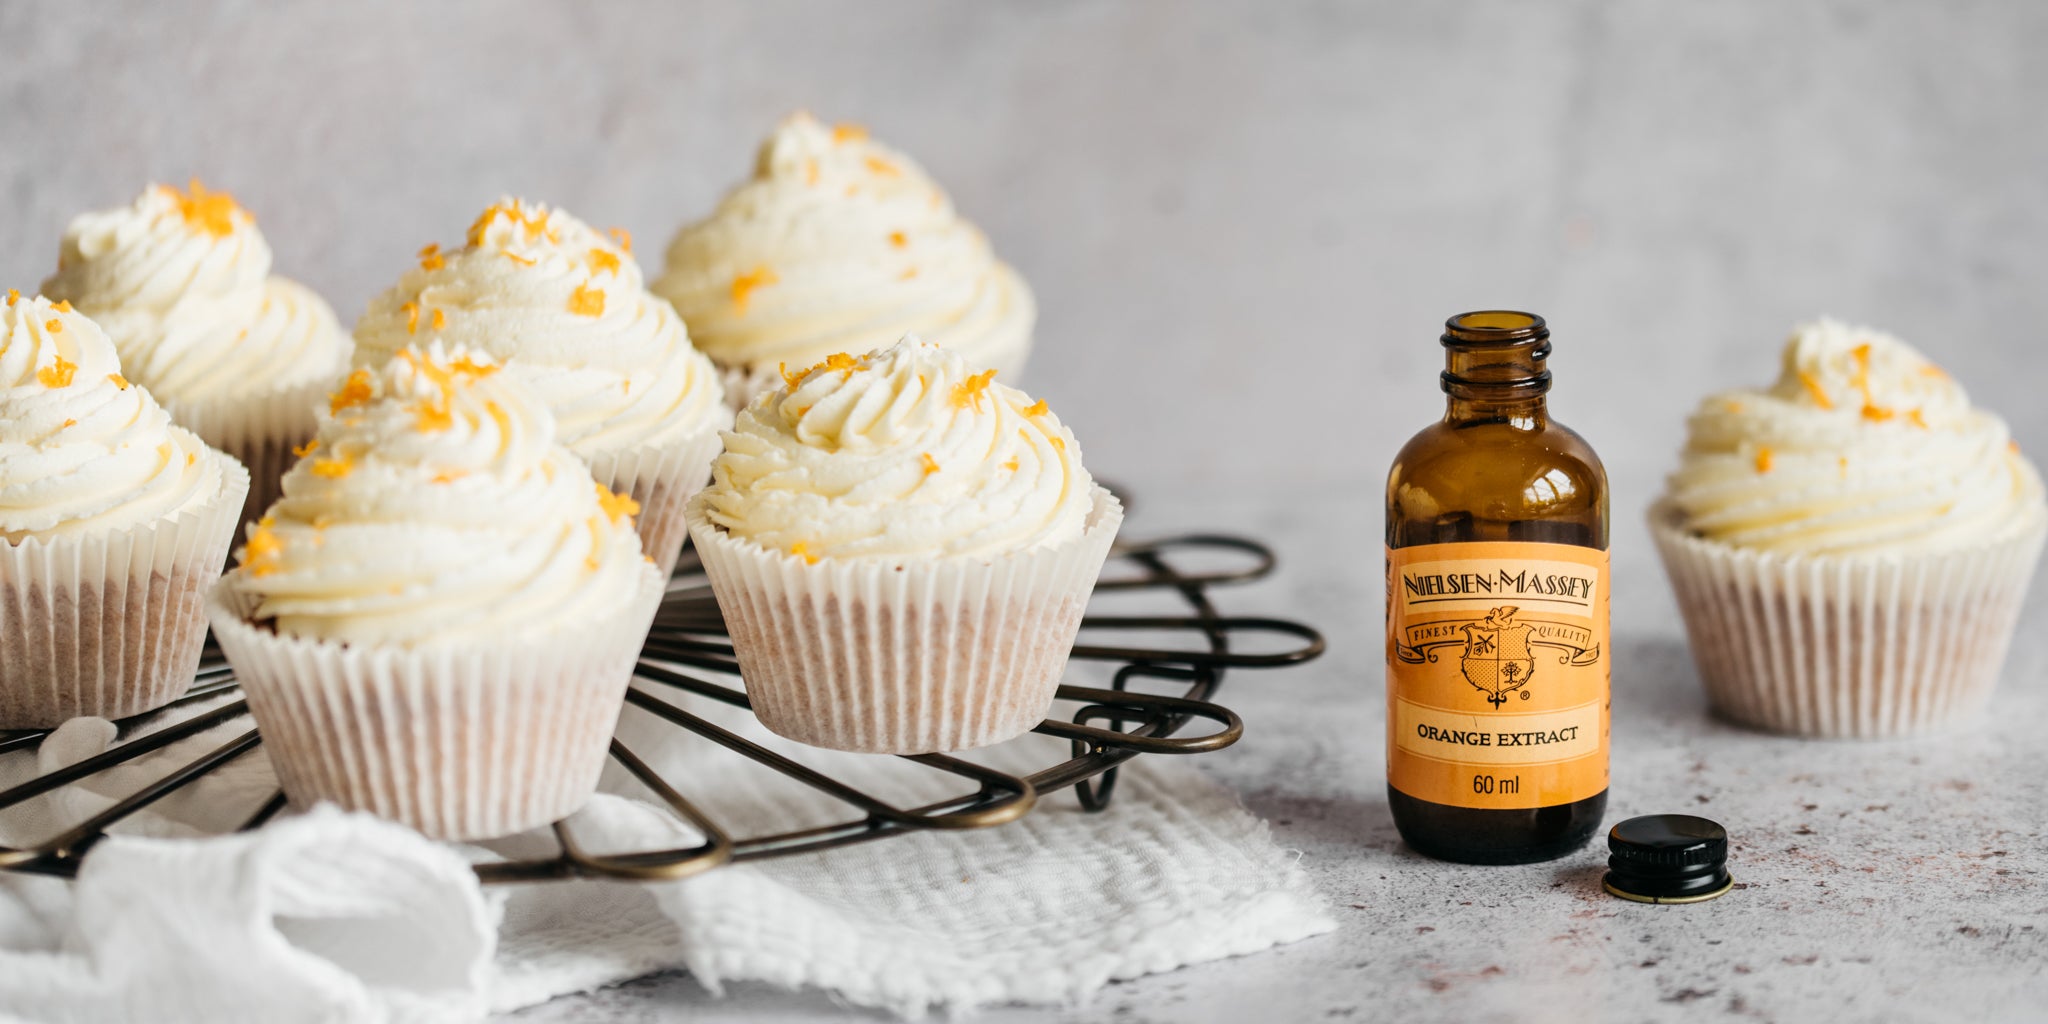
pixel 111 624
pixel 662 478
pixel 1849 647
pixel 926 656
pixel 260 430
pixel 459 742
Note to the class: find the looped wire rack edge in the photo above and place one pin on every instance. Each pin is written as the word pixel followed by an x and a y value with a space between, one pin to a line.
pixel 686 647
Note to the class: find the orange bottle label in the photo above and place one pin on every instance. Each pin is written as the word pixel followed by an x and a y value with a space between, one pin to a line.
pixel 1497 673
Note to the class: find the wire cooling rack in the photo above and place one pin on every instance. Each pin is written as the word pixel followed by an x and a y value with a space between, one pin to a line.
pixel 686 651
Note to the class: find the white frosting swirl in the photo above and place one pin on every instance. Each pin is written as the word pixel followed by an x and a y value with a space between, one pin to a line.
pixel 436 506
pixel 839 244
pixel 80 447
pixel 181 282
pixel 567 310
pixel 902 453
pixel 1861 447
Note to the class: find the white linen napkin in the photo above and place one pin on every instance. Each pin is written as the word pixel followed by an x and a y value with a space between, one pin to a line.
pixel 326 916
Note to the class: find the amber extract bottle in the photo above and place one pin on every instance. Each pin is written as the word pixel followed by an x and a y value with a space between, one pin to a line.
pixel 1497 612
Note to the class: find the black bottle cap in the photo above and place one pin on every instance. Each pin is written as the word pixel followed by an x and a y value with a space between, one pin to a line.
pixel 1667 858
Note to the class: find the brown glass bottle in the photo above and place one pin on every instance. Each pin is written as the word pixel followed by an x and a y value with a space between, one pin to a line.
pixel 1497 479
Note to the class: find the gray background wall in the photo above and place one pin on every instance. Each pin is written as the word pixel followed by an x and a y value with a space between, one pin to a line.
pixel 1245 222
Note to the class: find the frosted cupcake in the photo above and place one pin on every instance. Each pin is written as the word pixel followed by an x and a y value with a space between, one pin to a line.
pixel 566 309
pixel 902 550
pixel 1850 546
pixel 437 622
pixel 112 524
pixel 840 244
pixel 181 282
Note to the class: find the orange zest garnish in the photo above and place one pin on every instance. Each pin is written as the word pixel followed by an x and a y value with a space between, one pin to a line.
pixel 1820 395
pixel 1918 420
pixel 259 556
pixel 57 374
pixel 1013 464
pixel 882 167
pixel 842 362
pixel 412 317
pixel 533 225
pixel 1036 409
pixel 354 391
pixel 333 469
pixel 13 296
pixel 930 464
pixel 847 131
pixel 898 239
pixel 449 476
pixel 602 260
pixel 789 380
pixel 432 417
pixel 119 381
pixel 803 551
pixel 431 258
pixel 969 392
pixel 586 301
pixel 440 320
pixel 616 506
pixel 624 238
pixel 1763 460
pixel 303 450
pixel 1877 413
pixel 73 423
pixel 743 286
pixel 1059 443
pixel 211 212
pixel 55 326
pixel 524 261
pixel 596 529
pixel 63 306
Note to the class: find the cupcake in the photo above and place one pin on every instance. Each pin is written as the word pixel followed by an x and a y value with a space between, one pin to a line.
pixel 437 621
pixel 840 244
pixel 902 550
pixel 113 521
pixel 181 282
pixel 568 313
pixel 1850 546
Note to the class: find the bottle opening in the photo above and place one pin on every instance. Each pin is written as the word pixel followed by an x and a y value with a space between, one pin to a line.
pixel 1495 326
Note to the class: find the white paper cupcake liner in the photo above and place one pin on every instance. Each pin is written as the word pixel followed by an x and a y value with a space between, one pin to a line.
pixel 458 742
pixel 261 430
pixel 111 624
pixel 1848 647
pixel 662 478
pixel 926 656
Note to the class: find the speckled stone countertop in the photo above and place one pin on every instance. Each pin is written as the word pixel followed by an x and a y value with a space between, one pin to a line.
pixel 1893 881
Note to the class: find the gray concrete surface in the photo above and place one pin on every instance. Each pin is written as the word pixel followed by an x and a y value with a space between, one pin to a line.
pixel 1245 223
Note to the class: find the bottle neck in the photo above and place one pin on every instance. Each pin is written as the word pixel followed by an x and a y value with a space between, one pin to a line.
pixel 1493 370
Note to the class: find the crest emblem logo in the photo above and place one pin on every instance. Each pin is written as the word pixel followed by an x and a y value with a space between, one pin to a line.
pixel 1497 660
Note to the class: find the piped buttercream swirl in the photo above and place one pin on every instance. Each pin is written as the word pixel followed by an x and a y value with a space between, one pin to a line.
pixel 567 310
pixel 840 244
pixel 180 280
pixel 82 448
pixel 436 506
pixel 1862 446
pixel 902 453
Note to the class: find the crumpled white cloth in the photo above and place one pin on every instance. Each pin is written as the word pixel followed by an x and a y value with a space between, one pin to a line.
pixel 326 916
